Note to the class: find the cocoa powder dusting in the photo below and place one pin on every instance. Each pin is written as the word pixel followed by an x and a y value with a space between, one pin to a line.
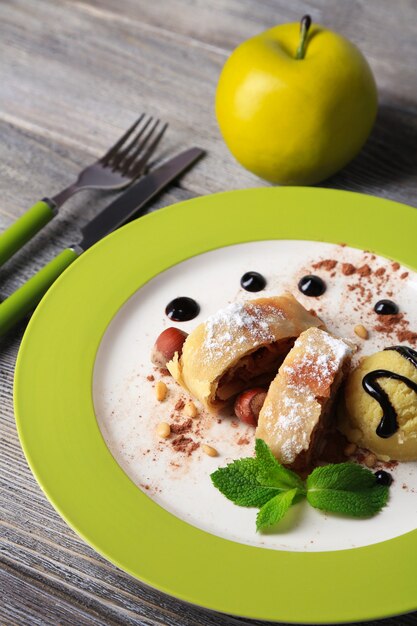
pixel 364 270
pixel 185 444
pixel 348 269
pixel 364 294
pixel 380 271
pixel 327 264
pixel 184 427
pixel 387 322
pixel 396 327
pixel 407 336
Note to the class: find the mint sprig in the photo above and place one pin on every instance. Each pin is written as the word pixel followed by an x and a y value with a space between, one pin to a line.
pixel 262 482
pixel 346 488
pixel 254 481
pixel 275 509
pixel 239 483
pixel 272 474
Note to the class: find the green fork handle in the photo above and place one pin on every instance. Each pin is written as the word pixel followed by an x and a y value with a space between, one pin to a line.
pixel 24 228
pixel 25 299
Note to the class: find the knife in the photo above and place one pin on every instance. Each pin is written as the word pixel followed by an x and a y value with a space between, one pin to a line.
pixel 126 206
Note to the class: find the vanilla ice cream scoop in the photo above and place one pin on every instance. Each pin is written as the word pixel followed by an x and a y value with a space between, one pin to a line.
pixel 380 404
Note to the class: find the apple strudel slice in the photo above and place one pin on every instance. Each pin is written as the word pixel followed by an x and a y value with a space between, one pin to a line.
pixel 240 346
pixel 297 411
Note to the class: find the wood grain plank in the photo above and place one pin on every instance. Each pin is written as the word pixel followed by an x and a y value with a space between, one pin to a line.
pixel 365 23
pixel 73 75
pixel 23 596
pixel 144 77
pixel 167 62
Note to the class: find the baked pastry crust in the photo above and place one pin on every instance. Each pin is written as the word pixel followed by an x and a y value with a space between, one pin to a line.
pixel 298 405
pixel 241 344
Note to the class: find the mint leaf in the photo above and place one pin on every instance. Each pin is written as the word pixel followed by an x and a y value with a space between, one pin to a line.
pixel 238 482
pixel 346 488
pixel 273 474
pixel 274 510
pixel 252 482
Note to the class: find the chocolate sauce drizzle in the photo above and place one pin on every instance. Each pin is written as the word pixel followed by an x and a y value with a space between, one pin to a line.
pixel 388 425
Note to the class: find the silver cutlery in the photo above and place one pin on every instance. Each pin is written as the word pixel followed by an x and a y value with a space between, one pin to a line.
pixel 126 206
pixel 125 161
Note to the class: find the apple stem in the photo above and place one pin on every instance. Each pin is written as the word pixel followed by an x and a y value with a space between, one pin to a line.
pixel 305 24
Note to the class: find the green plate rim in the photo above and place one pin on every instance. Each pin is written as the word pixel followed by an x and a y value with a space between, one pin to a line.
pixel 67 454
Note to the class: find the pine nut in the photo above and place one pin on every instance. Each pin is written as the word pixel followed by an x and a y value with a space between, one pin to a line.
pixel 350 449
pixel 370 460
pixel 161 390
pixel 361 331
pixel 209 450
pixel 190 409
pixel 163 430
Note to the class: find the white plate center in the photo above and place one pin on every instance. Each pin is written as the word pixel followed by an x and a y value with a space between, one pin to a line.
pixel 179 480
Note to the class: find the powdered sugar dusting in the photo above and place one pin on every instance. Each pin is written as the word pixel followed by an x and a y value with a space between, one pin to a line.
pixel 244 319
pixel 318 357
pixel 297 407
pixel 322 356
pixel 290 427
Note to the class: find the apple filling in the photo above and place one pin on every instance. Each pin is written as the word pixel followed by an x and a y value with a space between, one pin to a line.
pixel 323 430
pixel 254 369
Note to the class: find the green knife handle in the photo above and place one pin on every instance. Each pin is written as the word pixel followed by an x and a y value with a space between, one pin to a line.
pixel 25 299
pixel 24 228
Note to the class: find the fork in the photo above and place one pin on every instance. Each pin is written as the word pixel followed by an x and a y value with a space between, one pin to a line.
pixel 121 164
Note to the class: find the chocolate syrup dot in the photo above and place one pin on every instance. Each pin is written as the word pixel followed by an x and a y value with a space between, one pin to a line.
pixel 383 478
pixel 182 309
pixel 253 281
pixel 312 286
pixel 386 307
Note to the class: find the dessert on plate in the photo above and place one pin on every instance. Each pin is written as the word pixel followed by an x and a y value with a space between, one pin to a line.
pixel 240 346
pixel 379 409
pixel 298 407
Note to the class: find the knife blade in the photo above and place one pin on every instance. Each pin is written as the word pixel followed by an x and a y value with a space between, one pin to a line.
pixel 14 308
pixel 129 203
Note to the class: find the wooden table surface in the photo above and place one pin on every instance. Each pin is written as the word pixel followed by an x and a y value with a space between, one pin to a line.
pixel 73 75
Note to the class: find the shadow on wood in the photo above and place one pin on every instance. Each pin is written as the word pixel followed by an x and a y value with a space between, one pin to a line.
pixel 388 156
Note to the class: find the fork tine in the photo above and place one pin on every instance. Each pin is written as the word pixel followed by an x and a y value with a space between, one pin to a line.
pixel 123 154
pixel 139 149
pixel 136 166
pixel 139 166
pixel 124 161
pixel 142 145
pixel 115 148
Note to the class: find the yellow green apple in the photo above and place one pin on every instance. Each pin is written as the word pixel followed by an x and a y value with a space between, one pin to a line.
pixel 296 103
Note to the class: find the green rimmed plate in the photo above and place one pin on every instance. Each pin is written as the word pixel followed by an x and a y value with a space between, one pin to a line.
pixel 65 449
